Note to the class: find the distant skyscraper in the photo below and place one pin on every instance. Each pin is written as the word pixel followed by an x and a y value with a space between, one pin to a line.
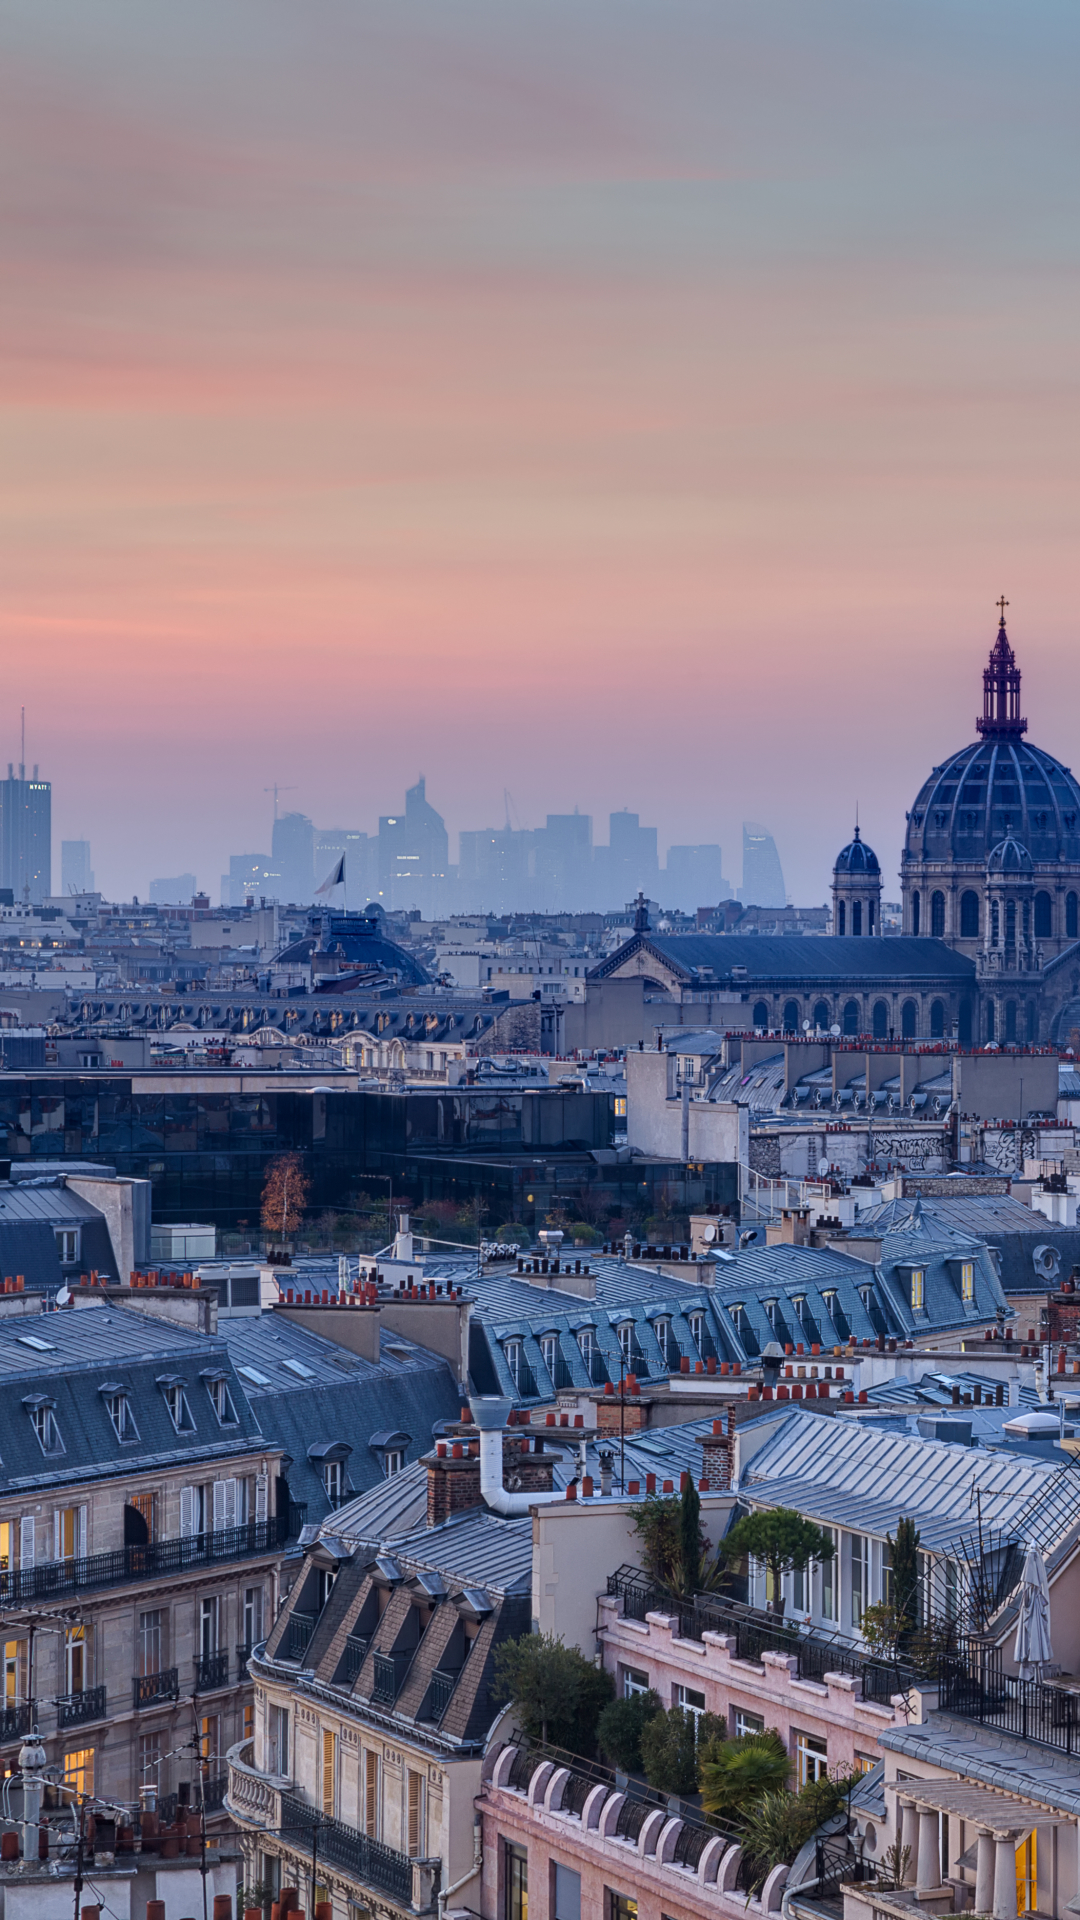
pixel 176 892
pixel 694 878
pixel 564 863
pixel 251 876
pixel 414 855
pixel 493 870
pixel 293 855
pixel 26 836
pixel 75 872
pixel 629 864
pixel 763 879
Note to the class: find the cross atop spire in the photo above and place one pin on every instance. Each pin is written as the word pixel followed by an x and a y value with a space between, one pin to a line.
pixel 1001 687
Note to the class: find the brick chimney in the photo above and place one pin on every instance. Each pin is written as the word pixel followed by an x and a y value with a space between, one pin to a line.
pixel 453 1473
pixel 717 1449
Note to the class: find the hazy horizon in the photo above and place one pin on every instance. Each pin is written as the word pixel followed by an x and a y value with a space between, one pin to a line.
pixel 618 405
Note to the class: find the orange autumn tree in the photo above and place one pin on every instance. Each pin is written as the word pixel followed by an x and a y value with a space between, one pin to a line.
pixel 284 1196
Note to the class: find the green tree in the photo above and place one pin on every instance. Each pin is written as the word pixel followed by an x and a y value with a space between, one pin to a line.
pixel 904 1551
pixel 620 1726
pixel 558 1694
pixel 512 1233
pixel 670 1747
pixel 656 1523
pixel 741 1772
pixel 782 1540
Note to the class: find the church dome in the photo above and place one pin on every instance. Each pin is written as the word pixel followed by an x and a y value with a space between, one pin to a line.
pixel 1009 856
pixel 857 858
pixel 997 789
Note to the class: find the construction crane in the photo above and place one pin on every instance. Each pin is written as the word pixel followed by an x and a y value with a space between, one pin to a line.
pixel 275 790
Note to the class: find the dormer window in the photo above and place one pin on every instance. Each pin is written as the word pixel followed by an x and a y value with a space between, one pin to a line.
pixel 626 1340
pixel 118 1407
pixel 334 1480
pixel 918 1289
pixel 512 1351
pixel 43 1416
pixel 770 1312
pixel 662 1329
pixel 176 1402
pixel 218 1389
pixel 967 1281
pixel 67 1245
pixel 549 1347
pixel 696 1323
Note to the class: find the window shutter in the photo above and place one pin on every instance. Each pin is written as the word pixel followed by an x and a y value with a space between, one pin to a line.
pixel 80 1534
pixel 224 1505
pixel 187 1512
pixel 26 1540
pixel 262 1496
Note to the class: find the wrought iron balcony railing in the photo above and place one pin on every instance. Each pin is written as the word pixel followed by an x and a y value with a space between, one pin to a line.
pixel 75 1709
pixel 211 1671
pixel 370 1861
pixel 149 1688
pixel 19 1586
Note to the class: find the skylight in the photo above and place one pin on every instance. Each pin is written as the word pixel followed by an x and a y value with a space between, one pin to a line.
pixel 252 1373
pixel 298 1367
pixel 32 1340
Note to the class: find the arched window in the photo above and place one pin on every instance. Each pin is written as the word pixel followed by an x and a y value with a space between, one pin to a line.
pixel 856 917
pixel 937 915
pixel 964 1023
pixel 1043 916
pixel 909 1020
pixel 990 1020
pixel 761 1013
pixel 791 1016
pixel 841 918
pixel 1010 923
pixel 995 924
pixel 937 1019
pixel 821 1014
pixel 1070 916
pixel 851 1016
pixel 1010 1020
pixel 881 1020
pixel 915 905
pixel 969 915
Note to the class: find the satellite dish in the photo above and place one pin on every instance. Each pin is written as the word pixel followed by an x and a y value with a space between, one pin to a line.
pixel 806 1026
pixel 63 1296
pixel 823 1168
pixel 835 1031
pixel 709 1234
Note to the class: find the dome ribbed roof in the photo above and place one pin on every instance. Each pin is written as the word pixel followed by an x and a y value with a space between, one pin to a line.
pixel 997 789
pixel 857 857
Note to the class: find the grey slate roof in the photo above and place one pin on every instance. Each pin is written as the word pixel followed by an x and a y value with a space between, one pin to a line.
pixel 346 1398
pixel 88 1348
pixel 847 1474
pixel 827 958
pixel 992 1757
pixel 1005 1223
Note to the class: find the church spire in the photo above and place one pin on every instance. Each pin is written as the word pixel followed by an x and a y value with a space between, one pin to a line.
pixel 1001 687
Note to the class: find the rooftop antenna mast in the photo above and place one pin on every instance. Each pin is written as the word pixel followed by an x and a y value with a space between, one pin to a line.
pixel 22 745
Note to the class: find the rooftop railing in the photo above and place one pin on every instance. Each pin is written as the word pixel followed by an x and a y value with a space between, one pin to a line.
pixel 971 1683
pixel 756 1632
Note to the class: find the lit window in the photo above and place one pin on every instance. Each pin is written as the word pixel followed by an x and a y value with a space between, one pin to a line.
pixel 78 1777
pixel 918 1289
pixel 967 1280
pixel 48 1433
pixel 123 1420
pixel 864 1763
pixel 620 1106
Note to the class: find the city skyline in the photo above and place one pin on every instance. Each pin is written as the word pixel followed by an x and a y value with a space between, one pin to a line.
pixel 464 397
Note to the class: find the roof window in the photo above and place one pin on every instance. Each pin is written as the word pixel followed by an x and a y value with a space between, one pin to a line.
pixel 172 1387
pixel 298 1367
pixel 33 1340
pixel 118 1408
pixel 253 1375
pixel 43 1415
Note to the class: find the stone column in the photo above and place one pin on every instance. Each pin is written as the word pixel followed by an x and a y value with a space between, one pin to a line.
pixel 1004 1877
pixel 907 1833
pixel 928 1869
pixel 984 1872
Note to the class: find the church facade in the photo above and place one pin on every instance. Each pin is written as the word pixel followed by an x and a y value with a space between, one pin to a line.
pixel 990 882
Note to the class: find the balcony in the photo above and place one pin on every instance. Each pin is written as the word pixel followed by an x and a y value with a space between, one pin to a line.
pixel 21 1586
pixel 972 1685
pixel 75 1709
pixel 149 1688
pixel 16 1722
pixel 211 1672
pixel 356 1647
pixel 390 1671
pixel 439 1692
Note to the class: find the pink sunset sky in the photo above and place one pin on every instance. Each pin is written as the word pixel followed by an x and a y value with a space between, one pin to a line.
pixel 619 404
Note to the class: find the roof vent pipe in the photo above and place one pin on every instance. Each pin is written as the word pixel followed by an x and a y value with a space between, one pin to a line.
pixel 489 1412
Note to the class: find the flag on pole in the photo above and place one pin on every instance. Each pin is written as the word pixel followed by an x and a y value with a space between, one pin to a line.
pixel 335 879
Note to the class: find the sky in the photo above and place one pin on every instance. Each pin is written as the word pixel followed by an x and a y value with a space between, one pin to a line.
pixel 611 404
